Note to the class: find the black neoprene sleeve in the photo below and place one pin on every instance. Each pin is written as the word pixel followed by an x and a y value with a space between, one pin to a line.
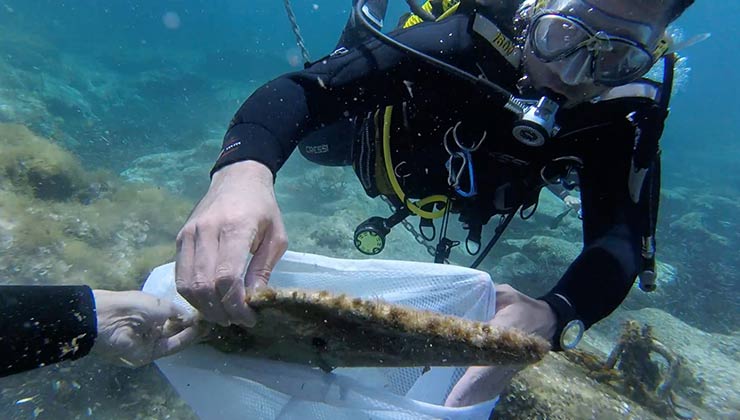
pixel 271 122
pixel 42 325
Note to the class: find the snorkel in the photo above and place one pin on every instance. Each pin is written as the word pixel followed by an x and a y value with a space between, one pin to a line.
pixel 536 118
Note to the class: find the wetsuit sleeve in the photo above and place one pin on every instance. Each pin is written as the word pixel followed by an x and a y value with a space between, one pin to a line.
pixel 271 122
pixel 42 325
pixel 600 278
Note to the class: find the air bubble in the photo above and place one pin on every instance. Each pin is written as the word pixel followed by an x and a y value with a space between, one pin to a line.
pixel 171 20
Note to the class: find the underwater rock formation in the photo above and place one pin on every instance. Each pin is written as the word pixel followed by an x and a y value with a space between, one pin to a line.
pixel 62 224
pixel 619 376
pixel 318 188
pixel 536 264
pixel 710 358
pixel 699 235
pixel 516 267
pixel 640 377
pixel 692 225
pixel 112 105
pixel 558 389
pixel 191 167
pixel 88 388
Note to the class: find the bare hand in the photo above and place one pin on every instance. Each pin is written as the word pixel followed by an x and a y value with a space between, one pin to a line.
pixel 513 310
pixel 135 328
pixel 238 215
pixel 572 202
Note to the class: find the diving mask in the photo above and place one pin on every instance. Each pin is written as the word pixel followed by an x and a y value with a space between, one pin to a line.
pixel 614 60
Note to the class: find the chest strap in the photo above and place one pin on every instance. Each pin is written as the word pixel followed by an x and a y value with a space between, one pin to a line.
pixel 498 40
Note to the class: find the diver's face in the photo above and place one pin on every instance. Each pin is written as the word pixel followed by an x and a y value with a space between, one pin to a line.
pixel 592 63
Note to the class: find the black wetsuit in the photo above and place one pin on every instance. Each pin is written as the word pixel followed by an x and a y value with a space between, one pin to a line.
pixel 42 325
pixel 270 124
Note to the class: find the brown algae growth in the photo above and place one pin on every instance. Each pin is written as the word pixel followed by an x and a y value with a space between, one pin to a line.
pixel 63 224
pixel 326 330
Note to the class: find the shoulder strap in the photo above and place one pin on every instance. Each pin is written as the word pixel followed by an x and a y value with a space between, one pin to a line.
pixel 492 33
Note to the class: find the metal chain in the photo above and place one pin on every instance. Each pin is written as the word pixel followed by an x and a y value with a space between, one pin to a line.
pixel 432 250
pixel 296 31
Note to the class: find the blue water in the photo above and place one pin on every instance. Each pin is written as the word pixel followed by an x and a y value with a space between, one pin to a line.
pixel 114 81
pixel 252 41
pixel 701 136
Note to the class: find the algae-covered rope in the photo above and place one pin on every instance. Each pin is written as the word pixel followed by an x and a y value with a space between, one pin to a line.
pixel 296 31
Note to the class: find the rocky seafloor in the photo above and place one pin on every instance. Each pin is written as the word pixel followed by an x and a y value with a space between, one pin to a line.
pixel 60 223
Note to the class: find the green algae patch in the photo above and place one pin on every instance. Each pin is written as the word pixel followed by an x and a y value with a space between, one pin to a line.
pixel 63 224
pixel 34 165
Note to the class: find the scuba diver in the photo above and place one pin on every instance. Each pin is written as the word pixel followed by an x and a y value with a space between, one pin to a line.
pixel 471 108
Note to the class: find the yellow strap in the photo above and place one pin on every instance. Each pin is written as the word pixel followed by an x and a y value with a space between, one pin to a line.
pixel 447 5
pixel 415 208
pixel 663 45
pixel 414 20
pixel 448 12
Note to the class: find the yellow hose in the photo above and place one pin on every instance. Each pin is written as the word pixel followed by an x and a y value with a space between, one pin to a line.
pixel 415 208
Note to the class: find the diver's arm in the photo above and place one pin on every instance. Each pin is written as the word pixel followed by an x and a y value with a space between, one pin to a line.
pixel 597 282
pixel 599 279
pixel 272 121
pixel 42 325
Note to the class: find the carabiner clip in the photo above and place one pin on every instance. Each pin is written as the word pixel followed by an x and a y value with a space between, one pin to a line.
pixel 459 143
pixel 466 157
pixel 473 190
pixel 453 177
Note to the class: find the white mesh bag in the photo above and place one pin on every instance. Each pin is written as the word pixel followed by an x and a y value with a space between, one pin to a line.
pixel 228 386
